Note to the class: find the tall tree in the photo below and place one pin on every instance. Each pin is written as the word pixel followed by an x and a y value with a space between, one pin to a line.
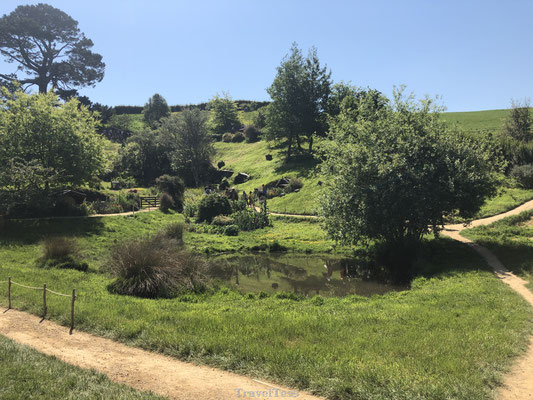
pixel 155 109
pixel 189 137
pixel 518 124
pixel 224 117
pixel 299 95
pixel 48 48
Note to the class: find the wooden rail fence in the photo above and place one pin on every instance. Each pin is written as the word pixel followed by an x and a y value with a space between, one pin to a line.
pixel 11 282
pixel 150 201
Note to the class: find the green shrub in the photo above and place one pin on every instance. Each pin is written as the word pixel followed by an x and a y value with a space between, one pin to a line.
pixel 190 209
pixel 227 137
pixel 238 137
pixel 211 206
pixel 174 186
pixel 294 183
pixel 275 247
pixel 251 133
pixel 165 202
pixel 222 220
pixel 231 230
pixel 249 220
pixel 156 267
pixel 524 175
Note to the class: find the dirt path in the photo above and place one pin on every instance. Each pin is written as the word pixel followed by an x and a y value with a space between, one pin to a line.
pixel 138 368
pixel 518 384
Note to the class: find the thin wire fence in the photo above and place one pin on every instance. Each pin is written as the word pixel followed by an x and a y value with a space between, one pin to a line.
pixel 45 290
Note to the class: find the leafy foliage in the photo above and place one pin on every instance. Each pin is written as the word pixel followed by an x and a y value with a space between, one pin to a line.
pixel 48 47
pixel 224 116
pixel 190 145
pixel 394 177
pixel 299 99
pixel 524 175
pixel 155 109
pixel 212 205
pixel 165 202
pixel 174 186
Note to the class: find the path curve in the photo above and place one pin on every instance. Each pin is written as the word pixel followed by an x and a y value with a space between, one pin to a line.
pixel 518 384
pixel 132 366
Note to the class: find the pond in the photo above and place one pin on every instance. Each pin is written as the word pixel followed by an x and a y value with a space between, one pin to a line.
pixel 307 275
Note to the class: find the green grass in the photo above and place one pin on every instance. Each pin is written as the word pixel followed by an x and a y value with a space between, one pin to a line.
pixel 475 122
pixel 27 374
pixel 250 158
pixel 511 240
pixel 507 199
pixel 451 336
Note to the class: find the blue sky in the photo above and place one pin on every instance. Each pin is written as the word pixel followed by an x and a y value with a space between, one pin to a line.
pixel 477 55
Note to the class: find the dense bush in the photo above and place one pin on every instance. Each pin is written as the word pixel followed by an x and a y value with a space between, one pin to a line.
pixel 223 220
pixel 251 133
pixel 227 137
pixel 294 184
pixel 524 175
pixel 61 252
pixel 165 202
pixel 249 220
pixel 238 137
pixel 211 206
pixel 231 230
pixel 156 267
pixel 174 186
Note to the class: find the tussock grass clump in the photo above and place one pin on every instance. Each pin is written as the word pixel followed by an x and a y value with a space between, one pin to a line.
pixel 156 267
pixel 174 231
pixel 61 252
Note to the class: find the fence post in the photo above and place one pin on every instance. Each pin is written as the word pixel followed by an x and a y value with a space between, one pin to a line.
pixel 44 301
pixel 9 293
pixel 72 311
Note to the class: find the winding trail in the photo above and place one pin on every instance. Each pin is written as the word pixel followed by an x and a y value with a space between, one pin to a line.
pixel 518 384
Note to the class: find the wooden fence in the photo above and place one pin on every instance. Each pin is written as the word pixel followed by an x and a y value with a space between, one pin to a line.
pixel 11 282
pixel 149 201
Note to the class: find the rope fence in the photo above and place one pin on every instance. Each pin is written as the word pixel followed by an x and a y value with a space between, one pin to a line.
pixel 11 282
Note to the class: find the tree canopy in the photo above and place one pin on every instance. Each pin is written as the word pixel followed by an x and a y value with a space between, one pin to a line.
pixel 224 117
pixel 48 48
pixel 393 176
pixel 299 95
pixel 155 109
pixel 53 138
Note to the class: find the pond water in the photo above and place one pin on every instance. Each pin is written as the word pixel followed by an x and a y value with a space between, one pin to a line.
pixel 307 275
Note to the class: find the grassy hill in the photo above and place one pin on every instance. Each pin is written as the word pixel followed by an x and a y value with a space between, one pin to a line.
pixel 478 121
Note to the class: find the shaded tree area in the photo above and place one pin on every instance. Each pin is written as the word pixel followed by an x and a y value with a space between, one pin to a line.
pixel 48 48
pixel 181 146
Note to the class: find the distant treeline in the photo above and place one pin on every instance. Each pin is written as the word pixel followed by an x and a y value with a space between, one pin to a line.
pixel 244 105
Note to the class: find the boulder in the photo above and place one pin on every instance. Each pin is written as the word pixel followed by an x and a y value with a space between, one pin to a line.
pixel 221 164
pixel 268 157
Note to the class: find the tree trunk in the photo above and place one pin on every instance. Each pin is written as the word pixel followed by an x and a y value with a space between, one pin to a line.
pixel 310 144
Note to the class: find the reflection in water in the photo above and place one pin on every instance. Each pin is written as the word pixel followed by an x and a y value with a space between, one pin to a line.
pixel 302 274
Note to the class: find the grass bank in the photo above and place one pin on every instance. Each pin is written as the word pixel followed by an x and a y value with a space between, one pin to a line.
pixel 27 374
pixel 511 239
pixel 450 336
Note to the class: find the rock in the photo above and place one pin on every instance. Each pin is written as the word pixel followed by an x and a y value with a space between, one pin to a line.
pixel 319 183
pixel 268 157
pixel 221 164
pixel 241 178
pixel 296 190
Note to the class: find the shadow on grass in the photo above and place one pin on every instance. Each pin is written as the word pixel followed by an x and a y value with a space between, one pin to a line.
pixel 516 256
pixel 31 231
pixel 303 164
pixel 445 256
